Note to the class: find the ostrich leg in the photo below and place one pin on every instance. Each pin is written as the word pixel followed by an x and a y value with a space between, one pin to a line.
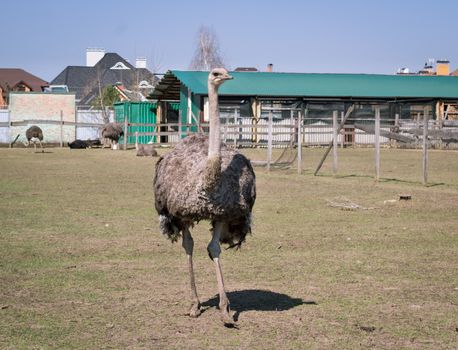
pixel 214 250
pixel 42 150
pixel 188 245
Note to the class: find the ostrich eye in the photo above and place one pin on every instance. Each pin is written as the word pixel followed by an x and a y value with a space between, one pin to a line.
pixel 216 74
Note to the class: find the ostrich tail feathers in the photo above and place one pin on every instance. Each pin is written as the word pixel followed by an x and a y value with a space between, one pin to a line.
pixel 169 228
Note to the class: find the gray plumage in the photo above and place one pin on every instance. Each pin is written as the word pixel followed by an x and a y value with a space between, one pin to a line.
pixel 112 131
pixel 183 197
pixel 146 151
pixel 202 179
pixel 34 132
pixel 34 135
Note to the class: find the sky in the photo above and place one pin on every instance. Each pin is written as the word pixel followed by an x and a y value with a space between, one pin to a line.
pixel 327 36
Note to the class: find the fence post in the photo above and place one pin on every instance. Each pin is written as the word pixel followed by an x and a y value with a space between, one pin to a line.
pixel 179 125
pixel 269 141
pixel 61 128
pixel 126 125
pixel 425 147
pixel 236 129
pixel 417 129
pixel 342 131
pixel 301 113
pixel 377 143
pixel 396 127
pixel 334 141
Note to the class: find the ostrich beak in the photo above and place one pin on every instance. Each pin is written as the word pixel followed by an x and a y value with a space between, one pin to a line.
pixel 227 77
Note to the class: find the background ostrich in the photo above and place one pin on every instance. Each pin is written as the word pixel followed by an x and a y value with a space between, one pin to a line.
pixel 34 134
pixel 202 179
pixel 112 132
pixel 144 150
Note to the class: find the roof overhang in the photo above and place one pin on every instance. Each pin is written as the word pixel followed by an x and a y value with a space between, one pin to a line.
pixel 313 86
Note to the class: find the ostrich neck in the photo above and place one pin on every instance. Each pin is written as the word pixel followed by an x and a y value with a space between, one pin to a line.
pixel 214 138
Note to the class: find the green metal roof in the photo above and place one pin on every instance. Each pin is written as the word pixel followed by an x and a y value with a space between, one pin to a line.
pixel 316 85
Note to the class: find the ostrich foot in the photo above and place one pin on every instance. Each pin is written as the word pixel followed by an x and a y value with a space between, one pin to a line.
pixel 195 310
pixel 226 317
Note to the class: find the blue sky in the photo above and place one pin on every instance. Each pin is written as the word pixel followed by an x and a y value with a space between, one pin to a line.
pixel 353 36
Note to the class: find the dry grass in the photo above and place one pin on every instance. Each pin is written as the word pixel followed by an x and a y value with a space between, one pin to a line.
pixel 82 265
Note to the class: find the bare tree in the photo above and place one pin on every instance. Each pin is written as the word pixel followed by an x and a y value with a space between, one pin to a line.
pixel 208 54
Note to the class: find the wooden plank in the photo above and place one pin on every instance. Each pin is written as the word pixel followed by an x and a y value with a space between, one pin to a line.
pixel 388 134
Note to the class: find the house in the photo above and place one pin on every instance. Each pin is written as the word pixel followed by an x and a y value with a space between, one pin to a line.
pixel 442 68
pixel 102 70
pixel 16 79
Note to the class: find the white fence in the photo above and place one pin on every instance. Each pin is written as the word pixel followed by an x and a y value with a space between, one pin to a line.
pixel 86 117
pixel 87 125
pixel 4 128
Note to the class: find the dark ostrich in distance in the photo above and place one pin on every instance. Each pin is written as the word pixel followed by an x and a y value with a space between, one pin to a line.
pixel 34 135
pixel 203 179
pixel 112 132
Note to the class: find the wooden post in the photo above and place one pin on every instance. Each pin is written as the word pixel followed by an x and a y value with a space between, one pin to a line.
pixel 425 147
pixel 396 126
pixel 235 129
pixel 179 125
pixel 136 140
pixel 269 141
pixel 349 110
pixel 377 143
pixel 342 141
pixel 61 128
pixel 160 111
pixel 126 125
pixel 299 139
pixel 417 127
pixel 335 143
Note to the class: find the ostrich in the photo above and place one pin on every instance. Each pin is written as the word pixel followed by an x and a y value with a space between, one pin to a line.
pixel 77 144
pixel 34 134
pixel 145 150
pixel 202 179
pixel 113 132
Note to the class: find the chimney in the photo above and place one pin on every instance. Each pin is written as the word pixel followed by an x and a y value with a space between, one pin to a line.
pixel 140 62
pixel 94 55
pixel 270 67
pixel 442 67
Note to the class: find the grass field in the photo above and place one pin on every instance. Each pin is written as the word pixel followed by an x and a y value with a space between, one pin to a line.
pixel 83 266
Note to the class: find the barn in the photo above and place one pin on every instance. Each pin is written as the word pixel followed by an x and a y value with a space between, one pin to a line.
pixel 401 100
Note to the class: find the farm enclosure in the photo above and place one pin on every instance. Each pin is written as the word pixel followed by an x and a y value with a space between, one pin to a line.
pixel 96 273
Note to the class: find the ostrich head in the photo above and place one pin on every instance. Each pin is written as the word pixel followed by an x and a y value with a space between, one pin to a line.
pixel 218 76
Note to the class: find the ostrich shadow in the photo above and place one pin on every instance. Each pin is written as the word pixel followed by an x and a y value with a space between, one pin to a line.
pixel 258 300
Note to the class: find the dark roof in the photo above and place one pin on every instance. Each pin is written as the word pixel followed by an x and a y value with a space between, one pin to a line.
pixel 246 69
pixel 12 76
pixel 273 84
pixel 84 81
